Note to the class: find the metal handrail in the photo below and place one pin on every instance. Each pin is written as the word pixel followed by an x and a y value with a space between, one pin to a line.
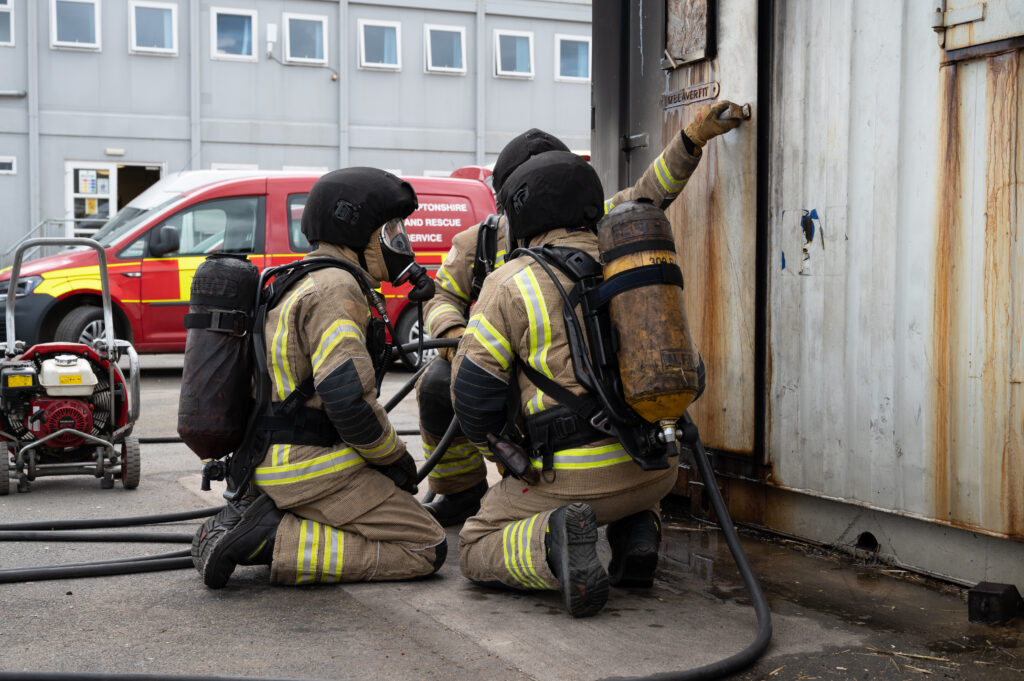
pixel 40 228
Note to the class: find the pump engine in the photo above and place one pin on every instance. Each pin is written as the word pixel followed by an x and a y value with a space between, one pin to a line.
pixel 47 394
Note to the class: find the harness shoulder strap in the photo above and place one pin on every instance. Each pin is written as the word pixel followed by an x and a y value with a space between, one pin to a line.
pixel 486 254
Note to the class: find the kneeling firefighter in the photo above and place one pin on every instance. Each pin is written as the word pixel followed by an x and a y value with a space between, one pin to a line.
pixel 548 400
pixel 460 479
pixel 333 498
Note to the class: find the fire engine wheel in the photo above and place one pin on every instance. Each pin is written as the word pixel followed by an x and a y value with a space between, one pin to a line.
pixel 131 462
pixel 408 331
pixel 81 325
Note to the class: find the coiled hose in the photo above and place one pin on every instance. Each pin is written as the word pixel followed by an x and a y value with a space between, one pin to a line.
pixel 181 559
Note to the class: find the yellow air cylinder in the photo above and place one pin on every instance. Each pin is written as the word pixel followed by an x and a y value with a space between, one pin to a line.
pixel 658 361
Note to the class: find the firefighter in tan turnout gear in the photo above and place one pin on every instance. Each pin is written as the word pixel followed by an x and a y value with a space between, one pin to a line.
pixel 460 478
pixel 347 511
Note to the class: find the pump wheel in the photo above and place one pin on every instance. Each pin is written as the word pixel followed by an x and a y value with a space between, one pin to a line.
pixel 81 325
pixel 408 331
pixel 131 462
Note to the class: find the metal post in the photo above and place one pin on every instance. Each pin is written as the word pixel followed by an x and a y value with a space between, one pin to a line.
pixel 195 121
pixel 35 200
pixel 481 81
pixel 345 85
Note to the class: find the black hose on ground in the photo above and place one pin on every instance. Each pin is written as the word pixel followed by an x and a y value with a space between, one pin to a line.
pixel 104 569
pixel 97 523
pixel 751 653
pixel 98 537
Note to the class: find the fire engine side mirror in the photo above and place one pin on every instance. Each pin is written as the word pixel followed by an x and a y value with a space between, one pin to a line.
pixel 163 240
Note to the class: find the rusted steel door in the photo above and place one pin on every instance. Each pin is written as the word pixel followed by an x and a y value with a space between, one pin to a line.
pixel 714 217
pixel 978 343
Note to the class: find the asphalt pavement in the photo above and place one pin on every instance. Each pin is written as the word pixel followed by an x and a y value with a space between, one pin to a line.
pixel 833 618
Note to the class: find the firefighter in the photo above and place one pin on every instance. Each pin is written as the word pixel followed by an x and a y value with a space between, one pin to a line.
pixel 460 478
pixel 542 533
pixel 343 512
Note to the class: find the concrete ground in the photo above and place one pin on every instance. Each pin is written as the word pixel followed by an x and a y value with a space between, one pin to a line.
pixel 833 618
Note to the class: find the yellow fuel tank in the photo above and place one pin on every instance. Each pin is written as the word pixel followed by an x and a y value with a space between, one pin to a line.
pixel 658 361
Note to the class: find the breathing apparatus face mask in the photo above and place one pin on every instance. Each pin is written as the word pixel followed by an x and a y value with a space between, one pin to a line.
pixel 400 261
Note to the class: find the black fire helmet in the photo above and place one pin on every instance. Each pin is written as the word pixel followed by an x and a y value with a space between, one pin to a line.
pixel 346 206
pixel 551 190
pixel 519 150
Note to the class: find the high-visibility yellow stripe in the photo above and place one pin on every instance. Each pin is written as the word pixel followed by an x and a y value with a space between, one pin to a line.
pixel 443 308
pixel 529 555
pixel 608 206
pixel 669 183
pixel 302 567
pixel 492 340
pixel 283 380
pixel 511 564
pixel 587 457
pixel 286 474
pixel 445 281
pixel 343 328
pixel 383 449
pixel 540 324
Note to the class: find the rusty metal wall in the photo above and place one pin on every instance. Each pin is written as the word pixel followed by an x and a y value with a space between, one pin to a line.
pixel 896 280
pixel 714 224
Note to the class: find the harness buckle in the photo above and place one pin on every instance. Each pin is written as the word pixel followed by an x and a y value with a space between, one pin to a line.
pixel 600 422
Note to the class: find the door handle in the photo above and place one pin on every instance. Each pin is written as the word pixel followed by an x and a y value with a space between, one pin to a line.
pixel 131 275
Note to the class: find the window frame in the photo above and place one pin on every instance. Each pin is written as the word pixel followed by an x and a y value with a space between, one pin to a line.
pixel 375 66
pixel 253 15
pixel 428 56
pixel 133 48
pixel 498 73
pixel 8 9
pixel 286 18
pixel 14 165
pixel 97 13
pixel 559 39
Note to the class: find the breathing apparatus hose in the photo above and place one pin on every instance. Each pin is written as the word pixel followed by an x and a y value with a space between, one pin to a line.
pixel 751 653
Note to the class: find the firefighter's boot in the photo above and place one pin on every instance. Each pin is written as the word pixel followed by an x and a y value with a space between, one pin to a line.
pixel 242 533
pixel 571 542
pixel 453 509
pixel 634 540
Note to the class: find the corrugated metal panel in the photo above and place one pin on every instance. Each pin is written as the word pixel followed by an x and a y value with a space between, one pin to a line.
pixel 896 329
pixel 714 222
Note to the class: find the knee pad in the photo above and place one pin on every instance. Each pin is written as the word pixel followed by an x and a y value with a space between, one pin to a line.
pixel 435 399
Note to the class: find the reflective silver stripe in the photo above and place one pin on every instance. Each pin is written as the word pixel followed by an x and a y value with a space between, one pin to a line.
pixel 540 325
pixel 281 372
pixel 333 554
pixel 309 534
pixel 343 328
pixel 437 312
pixel 491 339
pixel 385 448
pixel 304 470
pixel 445 281
pixel 587 457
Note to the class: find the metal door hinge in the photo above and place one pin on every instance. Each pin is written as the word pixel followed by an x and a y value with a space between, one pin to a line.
pixel 943 18
pixel 631 142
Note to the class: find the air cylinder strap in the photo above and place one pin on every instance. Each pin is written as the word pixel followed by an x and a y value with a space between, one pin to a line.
pixel 647 275
pixel 637 247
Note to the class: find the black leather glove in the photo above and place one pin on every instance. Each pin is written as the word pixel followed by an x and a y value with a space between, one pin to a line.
pixel 402 472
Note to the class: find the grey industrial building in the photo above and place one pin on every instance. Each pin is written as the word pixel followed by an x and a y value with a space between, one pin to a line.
pixel 100 98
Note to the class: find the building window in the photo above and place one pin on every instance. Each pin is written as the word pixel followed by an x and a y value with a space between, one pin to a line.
pixel 233 34
pixel 8 165
pixel 75 23
pixel 572 58
pixel 7 23
pixel 513 54
pixel 380 45
pixel 445 48
pixel 154 27
pixel 305 39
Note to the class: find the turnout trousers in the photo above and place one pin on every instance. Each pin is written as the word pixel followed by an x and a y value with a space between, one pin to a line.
pixel 339 539
pixel 504 542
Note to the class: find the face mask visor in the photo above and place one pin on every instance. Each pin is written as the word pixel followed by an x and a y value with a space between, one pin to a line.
pixel 396 247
